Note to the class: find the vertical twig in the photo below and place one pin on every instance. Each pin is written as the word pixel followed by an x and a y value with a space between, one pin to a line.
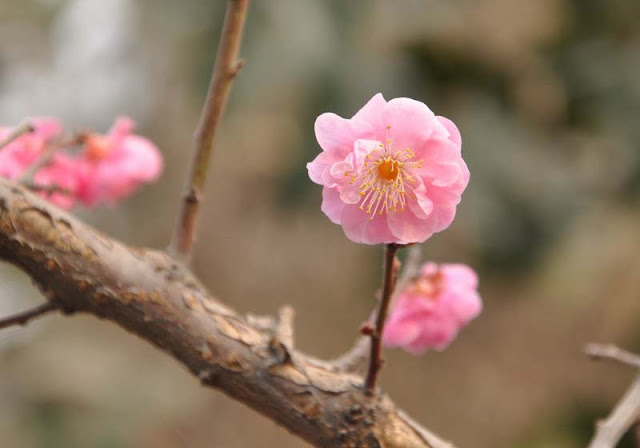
pixel 24 128
pixel 226 67
pixel 388 281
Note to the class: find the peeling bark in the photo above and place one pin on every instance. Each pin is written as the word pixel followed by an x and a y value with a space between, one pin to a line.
pixel 155 297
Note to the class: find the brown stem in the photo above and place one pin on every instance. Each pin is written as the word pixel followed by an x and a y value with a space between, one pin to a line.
pixel 22 129
pixel 225 69
pixel 26 316
pixel 388 281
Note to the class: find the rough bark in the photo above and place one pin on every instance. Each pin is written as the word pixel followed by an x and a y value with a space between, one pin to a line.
pixel 153 296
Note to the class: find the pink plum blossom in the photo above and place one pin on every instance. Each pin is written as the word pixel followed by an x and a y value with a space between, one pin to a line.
pixel 112 166
pixel 24 151
pixel 393 173
pixel 431 310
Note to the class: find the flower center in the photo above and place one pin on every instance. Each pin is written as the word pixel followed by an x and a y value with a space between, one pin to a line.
pixel 388 169
pixel 386 179
pixel 97 147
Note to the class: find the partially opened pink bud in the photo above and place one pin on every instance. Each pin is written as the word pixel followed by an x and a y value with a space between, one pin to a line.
pixel 113 166
pixel 431 310
pixel 393 173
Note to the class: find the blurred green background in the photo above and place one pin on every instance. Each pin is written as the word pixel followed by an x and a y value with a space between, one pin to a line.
pixel 547 96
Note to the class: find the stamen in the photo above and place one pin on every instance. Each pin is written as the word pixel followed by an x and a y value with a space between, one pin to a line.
pixel 386 178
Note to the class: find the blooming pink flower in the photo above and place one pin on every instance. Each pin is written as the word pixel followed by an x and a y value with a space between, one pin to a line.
pixel 391 174
pixel 114 165
pixel 430 311
pixel 26 149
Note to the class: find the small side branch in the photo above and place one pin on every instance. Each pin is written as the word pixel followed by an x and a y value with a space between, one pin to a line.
pixel 26 316
pixel 391 266
pixel 24 128
pixel 225 70
pixel 623 417
pixel 627 411
pixel 612 353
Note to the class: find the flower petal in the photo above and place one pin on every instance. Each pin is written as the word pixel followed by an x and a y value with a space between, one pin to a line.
pixel 410 122
pixel 408 228
pixel 332 205
pixel 334 134
pixel 454 133
pixel 360 228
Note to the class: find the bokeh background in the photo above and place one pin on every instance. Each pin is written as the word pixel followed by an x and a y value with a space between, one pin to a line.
pixel 547 96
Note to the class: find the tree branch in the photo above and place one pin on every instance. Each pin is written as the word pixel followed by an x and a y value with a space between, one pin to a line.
pixel 225 70
pixel 26 316
pixel 627 411
pixel 157 298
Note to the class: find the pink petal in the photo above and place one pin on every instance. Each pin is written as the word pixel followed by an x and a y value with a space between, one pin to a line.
pixel 408 228
pixel 367 122
pixel 454 133
pixel 400 333
pixel 334 134
pixel 332 205
pixel 359 228
pixel 411 122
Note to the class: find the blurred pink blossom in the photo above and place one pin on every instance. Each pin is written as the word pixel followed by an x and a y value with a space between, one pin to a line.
pixel 431 310
pixel 17 156
pixel 113 166
pixel 391 174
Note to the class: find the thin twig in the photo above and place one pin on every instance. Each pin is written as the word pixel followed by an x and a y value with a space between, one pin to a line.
pixel 624 416
pixel 627 411
pixel 284 327
pixel 50 189
pixel 612 353
pixel 225 69
pixel 388 280
pixel 24 128
pixel 26 316
pixel 354 359
pixel 430 438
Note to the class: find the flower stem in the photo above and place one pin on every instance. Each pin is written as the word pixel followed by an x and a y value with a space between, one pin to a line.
pixel 225 70
pixel 388 282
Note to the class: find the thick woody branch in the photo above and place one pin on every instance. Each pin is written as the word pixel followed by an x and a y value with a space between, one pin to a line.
pixel 225 70
pixel 151 295
pixel 626 412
